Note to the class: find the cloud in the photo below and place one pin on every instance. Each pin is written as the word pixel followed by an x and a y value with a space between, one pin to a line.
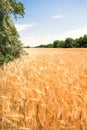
pixel 38 40
pixel 76 32
pixel 35 40
pixel 21 27
pixel 55 17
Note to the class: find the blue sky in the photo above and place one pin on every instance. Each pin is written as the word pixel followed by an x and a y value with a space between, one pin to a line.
pixel 49 20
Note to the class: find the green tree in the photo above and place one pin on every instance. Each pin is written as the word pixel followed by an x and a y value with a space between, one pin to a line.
pixel 82 42
pixel 10 44
pixel 49 45
pixel 57 44
pixel 68 43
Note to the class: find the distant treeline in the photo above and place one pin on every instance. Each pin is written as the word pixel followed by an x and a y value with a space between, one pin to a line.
pixel 67 43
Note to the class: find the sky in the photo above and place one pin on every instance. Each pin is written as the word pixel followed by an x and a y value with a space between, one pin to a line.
pixel 48 20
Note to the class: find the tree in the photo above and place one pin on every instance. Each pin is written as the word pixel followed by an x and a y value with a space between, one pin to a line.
pixel 68 43
pixel 57 44
pixel 82 42
pixel 49 45
pixel 10 44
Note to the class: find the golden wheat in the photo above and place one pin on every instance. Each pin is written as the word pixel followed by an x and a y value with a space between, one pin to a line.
pixel 45 90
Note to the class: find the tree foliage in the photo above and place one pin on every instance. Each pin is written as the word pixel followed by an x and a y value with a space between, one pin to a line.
pixel 10 44
pixel 68 43
pixel 45 46
pixel 57 44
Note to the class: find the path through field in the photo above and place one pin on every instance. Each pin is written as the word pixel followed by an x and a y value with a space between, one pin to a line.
pixel 45 90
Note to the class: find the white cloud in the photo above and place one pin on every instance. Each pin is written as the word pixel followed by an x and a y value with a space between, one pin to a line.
pixel 76 32
pixel 38 40
pixel 46 39
pixel 57 17
pixel 21 27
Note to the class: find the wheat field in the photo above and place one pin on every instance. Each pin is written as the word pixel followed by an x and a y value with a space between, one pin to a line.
pixel 45 90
